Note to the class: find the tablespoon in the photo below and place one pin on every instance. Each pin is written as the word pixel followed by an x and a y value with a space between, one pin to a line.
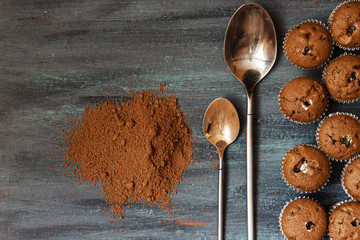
pixel 250 52
pixel 221 126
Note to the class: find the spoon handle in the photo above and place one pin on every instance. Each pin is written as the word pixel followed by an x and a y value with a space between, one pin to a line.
pixel 249 171
pixel 220 196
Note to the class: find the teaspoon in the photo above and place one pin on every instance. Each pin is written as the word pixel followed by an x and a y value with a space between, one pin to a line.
pixel 221 126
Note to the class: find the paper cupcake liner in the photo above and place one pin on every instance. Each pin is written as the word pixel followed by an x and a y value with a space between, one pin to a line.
pixel 323 75
pixel 304 123
pixel 287 204
pixel 332 44
pixel 296 189
pixel 329 21
pixel 343 178
pixel 318 140
pixel 335 205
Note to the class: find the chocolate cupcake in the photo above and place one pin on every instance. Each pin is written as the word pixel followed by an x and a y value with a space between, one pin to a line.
pixel 344 24
pixel 351 179
pixel 306 168
pixel 303 219
pixel 342 78
pixel 344 221
pixel 338 135
pixel 308 45
pixel 303 100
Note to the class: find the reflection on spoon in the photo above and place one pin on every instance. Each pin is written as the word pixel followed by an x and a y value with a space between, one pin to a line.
pixel 221 126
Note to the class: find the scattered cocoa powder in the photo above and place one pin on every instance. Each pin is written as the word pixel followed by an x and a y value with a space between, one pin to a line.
pixel 136 150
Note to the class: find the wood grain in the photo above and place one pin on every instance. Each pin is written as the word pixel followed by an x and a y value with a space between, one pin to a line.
pixel 56 56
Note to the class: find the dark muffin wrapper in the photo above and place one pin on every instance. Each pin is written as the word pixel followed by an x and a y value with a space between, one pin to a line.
pixel 332 44
pixel 343 178
pixel 323 75
pixel 296 189
pixel 304 123
pixel 318 140
pixel 329 21
pixel 284 207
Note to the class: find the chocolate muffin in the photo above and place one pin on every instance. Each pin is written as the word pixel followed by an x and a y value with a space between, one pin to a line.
pixel 303 219
pixel 351 179
pixel 344 222
pixel 308 45
pixel 303 100
pixel 342 78
pixel 344 24
pixel 339 136
pixel 306 168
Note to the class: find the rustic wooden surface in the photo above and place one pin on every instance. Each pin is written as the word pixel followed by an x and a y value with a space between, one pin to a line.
pixel 55 56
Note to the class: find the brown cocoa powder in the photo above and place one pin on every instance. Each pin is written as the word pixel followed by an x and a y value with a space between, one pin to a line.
pixel 135 150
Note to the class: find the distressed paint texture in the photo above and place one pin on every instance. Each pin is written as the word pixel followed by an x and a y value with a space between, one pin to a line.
pixel 55 56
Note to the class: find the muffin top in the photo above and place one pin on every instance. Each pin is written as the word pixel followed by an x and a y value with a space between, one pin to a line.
pixel 308 45
pixel 344 222
pixel 352 180
pixel 303 99
pixel 345 24
pixel 304 219
pixel 339 136
pixel 306 168
pixel 342 78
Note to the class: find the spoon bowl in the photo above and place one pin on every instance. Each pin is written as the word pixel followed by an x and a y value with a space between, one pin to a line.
pixel 221 126
pixel 250 44
pixel 221 123
pixel 250 52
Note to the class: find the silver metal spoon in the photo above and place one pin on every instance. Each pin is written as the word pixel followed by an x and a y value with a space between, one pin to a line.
pixel 250 52
pixel 221 126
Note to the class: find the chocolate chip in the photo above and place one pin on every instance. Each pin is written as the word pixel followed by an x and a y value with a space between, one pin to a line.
pixel 310 226
pixel 350 30
pixel 356 222
pixel 307 51
pixel 346 141
pixel 306 104
pixel 351 77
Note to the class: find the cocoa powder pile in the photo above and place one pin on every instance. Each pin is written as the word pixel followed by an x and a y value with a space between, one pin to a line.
pixel 136 151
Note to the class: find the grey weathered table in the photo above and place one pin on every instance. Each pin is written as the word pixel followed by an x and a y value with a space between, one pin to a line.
pixel 55 56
